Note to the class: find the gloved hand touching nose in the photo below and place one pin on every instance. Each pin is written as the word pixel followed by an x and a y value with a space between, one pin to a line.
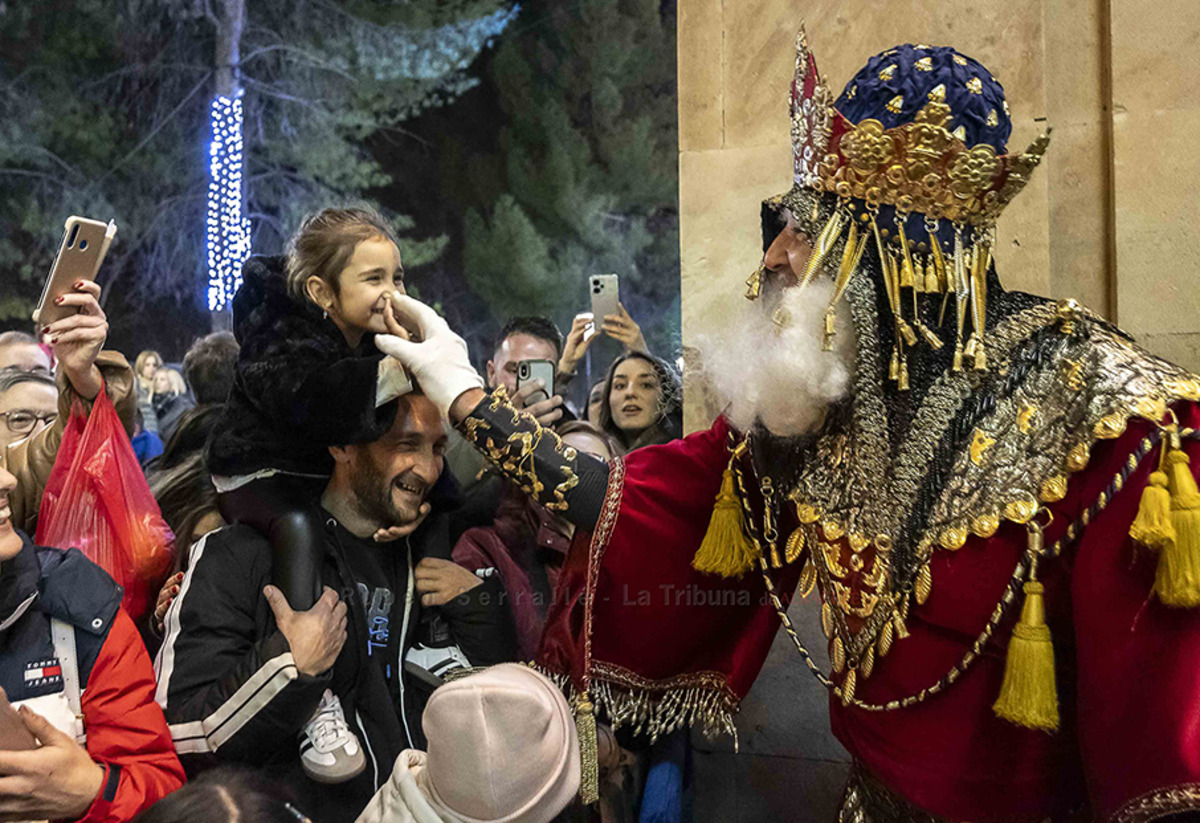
pixel 439 363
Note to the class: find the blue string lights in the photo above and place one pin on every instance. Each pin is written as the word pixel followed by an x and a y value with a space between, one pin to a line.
pixel 228 229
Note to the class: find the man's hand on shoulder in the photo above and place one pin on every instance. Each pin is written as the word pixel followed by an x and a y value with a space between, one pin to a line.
pixel 315 636
pixel 440 581
pixel 56 781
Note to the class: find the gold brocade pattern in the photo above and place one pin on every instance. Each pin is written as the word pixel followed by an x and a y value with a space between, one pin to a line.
pixel 858 491
pixel 514 454
pixel 1159 804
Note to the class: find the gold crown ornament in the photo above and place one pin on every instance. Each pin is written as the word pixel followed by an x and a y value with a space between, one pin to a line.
pixel 918 167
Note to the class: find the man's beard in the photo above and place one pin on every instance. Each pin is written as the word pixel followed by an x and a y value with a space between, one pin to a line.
pixel 773 372
pixel 373 493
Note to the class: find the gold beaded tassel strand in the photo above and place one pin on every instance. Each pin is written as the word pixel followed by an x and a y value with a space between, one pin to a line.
pixel 898 368
pixel 937 259
pixel 962 294
pixel 981 261
pixel 826 240
pixel 910 275
pixel 851 257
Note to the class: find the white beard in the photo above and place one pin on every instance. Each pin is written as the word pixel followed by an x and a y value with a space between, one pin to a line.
pixel 778 376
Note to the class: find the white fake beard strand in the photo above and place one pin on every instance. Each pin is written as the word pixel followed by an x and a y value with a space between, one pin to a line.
pixel 779 377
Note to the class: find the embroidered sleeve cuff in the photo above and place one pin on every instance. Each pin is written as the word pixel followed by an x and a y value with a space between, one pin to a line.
pixel 536 459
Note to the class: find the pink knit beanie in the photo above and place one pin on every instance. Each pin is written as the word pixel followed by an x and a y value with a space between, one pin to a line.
pixel 502 748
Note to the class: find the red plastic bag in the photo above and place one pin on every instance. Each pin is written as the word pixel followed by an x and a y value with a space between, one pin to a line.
pixel 97 500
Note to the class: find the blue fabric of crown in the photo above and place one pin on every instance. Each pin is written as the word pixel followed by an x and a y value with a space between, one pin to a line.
pixel 968 109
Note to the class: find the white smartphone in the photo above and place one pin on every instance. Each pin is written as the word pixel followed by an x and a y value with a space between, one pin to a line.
pixel 530 370
pixel 85 243
pixel 606 296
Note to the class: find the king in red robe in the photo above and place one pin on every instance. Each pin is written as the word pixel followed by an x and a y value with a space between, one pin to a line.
pixel 997 509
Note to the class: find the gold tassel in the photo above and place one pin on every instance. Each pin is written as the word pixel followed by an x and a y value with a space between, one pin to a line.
pixel 726 549
pixel 1029 693
pixel 894 367
pixel 932 284
pixel 851 257
pixel 908 277
pixel 962 296
pixel 903 380
pixel 980 259
pixel 1152 527
pixel 825 243
pixel 931 339
pixel 754 285
pixel 830 328
pixel 930 336
pixel 891 282
pixel 945 282
pixel 589 755
pixel 1177 581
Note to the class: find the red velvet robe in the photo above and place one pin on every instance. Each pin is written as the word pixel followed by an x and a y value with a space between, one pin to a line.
pixel 635 618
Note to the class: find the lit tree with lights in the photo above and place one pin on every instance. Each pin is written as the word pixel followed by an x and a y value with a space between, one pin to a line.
pixel 227 229
pixel 142 125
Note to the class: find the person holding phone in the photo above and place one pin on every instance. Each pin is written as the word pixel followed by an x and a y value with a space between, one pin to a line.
pixel 77 341
pixel 524 339
pixel 67 651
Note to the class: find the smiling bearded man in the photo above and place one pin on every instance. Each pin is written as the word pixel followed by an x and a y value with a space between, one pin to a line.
pixel 968 512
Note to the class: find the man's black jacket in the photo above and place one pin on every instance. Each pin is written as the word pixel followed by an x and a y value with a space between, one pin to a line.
pixel 231 690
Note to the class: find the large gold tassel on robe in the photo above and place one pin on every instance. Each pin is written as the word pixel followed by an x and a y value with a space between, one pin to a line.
pixel 1177 581
pixel 726 549
pixel 1168 522
pixel 1029 693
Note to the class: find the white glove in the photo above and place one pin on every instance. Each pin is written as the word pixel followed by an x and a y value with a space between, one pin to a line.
pixel 439 363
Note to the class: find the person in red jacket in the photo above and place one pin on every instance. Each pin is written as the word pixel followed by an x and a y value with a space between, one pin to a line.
pixel 73 665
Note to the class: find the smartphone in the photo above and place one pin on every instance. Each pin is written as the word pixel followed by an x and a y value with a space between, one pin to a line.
pixel 14 736
pixel 82 250
pixel 529 370
pixel 605 297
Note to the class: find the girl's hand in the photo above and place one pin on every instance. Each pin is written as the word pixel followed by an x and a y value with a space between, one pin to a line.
pixel 166 597
pixel 622 328
pixel 389 320
pixel 397 532
pixel 78 339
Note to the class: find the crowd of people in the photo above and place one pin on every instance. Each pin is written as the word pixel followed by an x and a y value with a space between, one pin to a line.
pixel 353 582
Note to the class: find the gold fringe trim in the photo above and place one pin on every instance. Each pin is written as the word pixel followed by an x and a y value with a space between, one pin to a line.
pixel 656 707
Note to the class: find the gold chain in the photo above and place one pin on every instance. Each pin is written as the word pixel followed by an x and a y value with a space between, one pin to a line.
pixel 998 614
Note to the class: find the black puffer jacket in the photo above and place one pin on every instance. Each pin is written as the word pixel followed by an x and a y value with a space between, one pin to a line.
pixel 233 694
pixel 299 387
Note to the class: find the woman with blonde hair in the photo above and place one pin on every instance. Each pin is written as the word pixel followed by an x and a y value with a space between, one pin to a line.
pixel 171 400
pixel 147 363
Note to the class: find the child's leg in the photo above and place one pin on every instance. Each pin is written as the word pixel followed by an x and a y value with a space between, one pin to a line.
pixel 284 510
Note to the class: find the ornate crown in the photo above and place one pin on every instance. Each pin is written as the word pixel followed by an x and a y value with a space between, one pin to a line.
pixel 887 151
pixel 917 166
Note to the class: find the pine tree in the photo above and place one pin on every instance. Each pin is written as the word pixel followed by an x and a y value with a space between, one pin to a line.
pixel 586 164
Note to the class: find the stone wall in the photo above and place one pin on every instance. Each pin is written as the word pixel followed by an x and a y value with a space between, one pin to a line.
pixel 1110 218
